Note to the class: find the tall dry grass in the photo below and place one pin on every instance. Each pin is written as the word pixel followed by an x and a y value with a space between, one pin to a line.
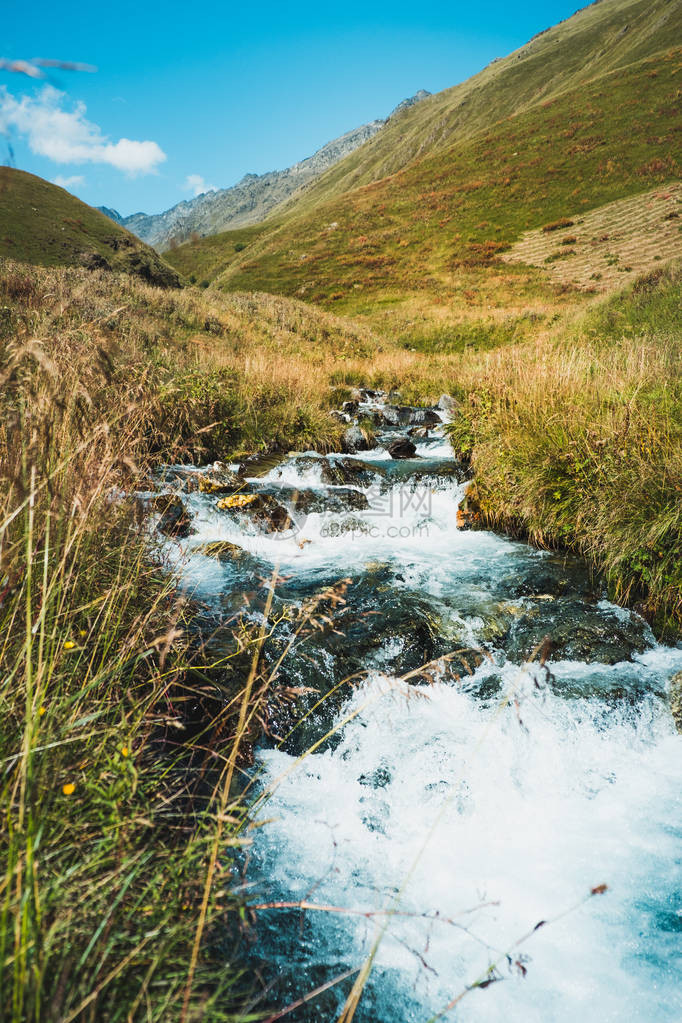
pixel 119 742
pixel 577 441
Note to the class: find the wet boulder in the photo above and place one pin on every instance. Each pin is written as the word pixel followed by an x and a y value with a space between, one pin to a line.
pixel 356 439
pixel 402 448
pixel 426 417
pixel 223 481
pixel 308 502
pixel 388 416
pixel 434 473
pixel 174 519
pixel 393 631
pixel 576 631
pixel 349 472
pixel 447 403
pixel 551 574
pixel 350 407
pixel 261 509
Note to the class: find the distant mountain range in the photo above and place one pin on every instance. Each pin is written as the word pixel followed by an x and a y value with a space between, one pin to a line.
pixel 252 198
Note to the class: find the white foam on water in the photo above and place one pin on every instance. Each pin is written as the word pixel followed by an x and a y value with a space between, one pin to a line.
pixel 527 802
pixel 527 815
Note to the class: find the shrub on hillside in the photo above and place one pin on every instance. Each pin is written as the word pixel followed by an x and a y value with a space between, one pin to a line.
pixel 557 225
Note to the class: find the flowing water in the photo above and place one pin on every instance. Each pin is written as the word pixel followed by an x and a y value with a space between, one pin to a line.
pixel 446 816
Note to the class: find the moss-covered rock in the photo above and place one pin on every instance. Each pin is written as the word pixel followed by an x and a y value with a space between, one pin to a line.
pixel 220 549
pixel 261 509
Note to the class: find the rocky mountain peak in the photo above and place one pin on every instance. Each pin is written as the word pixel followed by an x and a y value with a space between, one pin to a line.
pixel 410 102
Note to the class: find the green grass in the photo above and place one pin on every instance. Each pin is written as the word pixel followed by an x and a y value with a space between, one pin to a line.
pixel 202 260
pixel 472 335
pixel 43 224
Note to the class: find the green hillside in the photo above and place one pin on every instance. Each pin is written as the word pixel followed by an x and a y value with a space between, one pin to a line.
pixel 428 241
pixel 43 224
pixel 606 35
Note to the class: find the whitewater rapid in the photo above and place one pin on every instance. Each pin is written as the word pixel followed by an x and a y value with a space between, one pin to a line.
pixel 447 819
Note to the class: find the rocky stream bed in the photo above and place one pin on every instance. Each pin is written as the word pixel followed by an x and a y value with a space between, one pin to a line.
pixel 445 811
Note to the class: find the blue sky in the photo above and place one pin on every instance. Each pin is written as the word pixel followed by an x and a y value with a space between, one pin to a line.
pixel 185 94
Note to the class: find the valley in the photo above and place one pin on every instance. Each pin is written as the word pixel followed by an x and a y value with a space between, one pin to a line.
pixel 340 576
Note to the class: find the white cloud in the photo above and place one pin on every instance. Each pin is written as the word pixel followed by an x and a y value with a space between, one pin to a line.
pixel 66 136
pixel 71 182
pixel 195 183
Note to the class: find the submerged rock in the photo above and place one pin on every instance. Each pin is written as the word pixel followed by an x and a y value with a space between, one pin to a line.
pixel 576 631
pixel 676 700
pixel 380 627
pixel 351 524
pixel 344 471
pixel 402 448
pixel 308 502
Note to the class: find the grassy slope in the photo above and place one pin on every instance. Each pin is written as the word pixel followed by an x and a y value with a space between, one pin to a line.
pixel 43 224
pixel 438 226
pixel 599 38
pixel 205 258
pixel 423 243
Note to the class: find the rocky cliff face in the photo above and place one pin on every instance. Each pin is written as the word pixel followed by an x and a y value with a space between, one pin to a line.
pixel 251 199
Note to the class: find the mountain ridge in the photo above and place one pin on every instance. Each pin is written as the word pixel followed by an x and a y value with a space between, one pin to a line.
pixel 596 39
pixel 253 197
pixel 585 114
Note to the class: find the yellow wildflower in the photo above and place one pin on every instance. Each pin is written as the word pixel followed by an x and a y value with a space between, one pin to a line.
pixel 69 645
pixel 124 751
pixel 69 788
pixel 42 710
